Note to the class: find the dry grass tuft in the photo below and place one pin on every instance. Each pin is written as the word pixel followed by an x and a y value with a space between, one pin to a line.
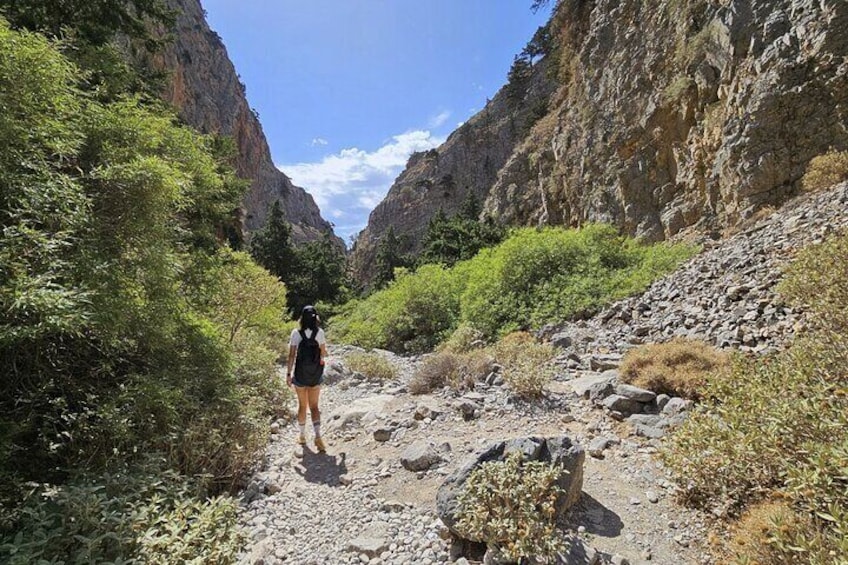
pixel 677 368
pixel 458 371
pixel 825 171
pixel 372 365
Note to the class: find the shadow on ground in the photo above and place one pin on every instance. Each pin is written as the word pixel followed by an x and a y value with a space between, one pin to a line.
pixel 596 518
pixel 322 468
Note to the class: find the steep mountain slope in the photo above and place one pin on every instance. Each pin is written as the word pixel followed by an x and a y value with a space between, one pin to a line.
pixel 205 88
pixel 664 116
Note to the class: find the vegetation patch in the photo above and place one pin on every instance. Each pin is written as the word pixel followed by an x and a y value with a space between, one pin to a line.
pixel 458 371
pixel 373 365
pixel 533 278
pixel 525 363
pixel 825 171
pixel 677 368
pixel 778 427
pixel 510 505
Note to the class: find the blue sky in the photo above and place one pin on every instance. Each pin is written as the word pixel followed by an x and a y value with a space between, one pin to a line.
pixel 346 90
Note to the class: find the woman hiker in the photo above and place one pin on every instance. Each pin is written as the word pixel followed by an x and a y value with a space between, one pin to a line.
pixel 307 350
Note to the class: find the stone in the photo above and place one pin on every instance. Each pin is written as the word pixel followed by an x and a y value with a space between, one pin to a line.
pixel 618 403
pixel 652 497
pixel 359 411
pixel 597 447
pixel 592 384
pixel 648 431
pixel 383 434
pixel 558 451
pixel 676 406
pixel 469 410
pixel 368 546
pixel 580 554
pixel 635 393
pixel 420 456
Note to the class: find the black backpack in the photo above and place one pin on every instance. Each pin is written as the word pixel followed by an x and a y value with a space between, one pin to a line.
pixel 308 368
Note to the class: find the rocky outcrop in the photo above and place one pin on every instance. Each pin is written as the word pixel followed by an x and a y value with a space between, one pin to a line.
pixel 666 115
pixel 205 89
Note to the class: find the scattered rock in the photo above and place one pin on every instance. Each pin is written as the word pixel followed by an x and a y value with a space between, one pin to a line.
pixel 420 456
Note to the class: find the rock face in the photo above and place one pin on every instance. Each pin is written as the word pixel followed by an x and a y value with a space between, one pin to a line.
pixel 204 87
pixel 662 117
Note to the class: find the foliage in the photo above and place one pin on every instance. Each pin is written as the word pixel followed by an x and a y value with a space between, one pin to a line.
pixel 458 371
pixel 319 276
pixel 314 272
pixel 533 278
pixel 526 363
pixel 126 327
pixel 389 257
pixel 551 275
pixel 678 368
pixel 96 21
pixel 826 170
pixel 449 240
pixel 147 514
pixel 372 365
pixel 463 339
pixel 412 315
pixel 784 432
pixel 511 505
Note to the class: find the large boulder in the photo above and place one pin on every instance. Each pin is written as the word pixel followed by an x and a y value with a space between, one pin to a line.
pixel 558 451
pixel 359 412
pixel 420 456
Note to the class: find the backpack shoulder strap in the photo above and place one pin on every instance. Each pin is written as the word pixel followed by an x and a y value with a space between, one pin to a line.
pixel 302 335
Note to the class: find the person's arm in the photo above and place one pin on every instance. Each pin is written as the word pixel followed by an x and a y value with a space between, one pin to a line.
pixel 290 363
pixel 323 352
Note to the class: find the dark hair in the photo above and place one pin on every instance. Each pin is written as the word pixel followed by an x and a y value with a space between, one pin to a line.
pixel 309 318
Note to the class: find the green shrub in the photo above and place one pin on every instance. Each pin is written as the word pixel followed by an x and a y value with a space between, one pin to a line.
pixel 679 367
pixel 413 314
pixel 533 278
pixel 779 426
pixel 546 276
pixel 825 170
pixel 372 365
pixel 152 515
pixel 462 340
pixel 511 506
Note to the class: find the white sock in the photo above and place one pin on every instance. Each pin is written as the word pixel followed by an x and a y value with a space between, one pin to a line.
pixel 316 426
pixel 302 428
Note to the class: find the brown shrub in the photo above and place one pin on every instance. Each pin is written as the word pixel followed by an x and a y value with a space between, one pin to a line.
pixel 525 362
pixel 678 368
pixel 753 538
pixel 825 171
pixel 372 365
pixel 458 371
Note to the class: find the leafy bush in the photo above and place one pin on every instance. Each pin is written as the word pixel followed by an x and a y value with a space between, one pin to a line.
pixel 826 170
pixel 464 339
pixel 149 514
pixel 511 506
pixel 413 314
pixel 678 368
pixel 372 365
pixel 533 278
pixel 458 371
pixel 551 275
pixel 779 426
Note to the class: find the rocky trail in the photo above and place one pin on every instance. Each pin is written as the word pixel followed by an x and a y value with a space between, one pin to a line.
pixel 372 497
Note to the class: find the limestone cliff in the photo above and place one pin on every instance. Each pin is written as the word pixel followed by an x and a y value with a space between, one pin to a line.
pixel 205 88
pixel 665 115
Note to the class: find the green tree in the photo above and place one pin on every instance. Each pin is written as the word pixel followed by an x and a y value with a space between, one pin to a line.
pixel 540 44
pixel 96 21
pixel 271 246
pixel 449 240
pixel 389 257
pixel 518 78
pixel 320 275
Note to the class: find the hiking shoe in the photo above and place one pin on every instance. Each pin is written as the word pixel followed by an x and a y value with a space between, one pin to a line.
pixel 301 439
pixel 319 445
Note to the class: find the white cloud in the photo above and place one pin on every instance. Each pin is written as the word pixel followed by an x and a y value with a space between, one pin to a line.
pixel 353 181
pixel 336 213
pixel 439 119
pixel 318 141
